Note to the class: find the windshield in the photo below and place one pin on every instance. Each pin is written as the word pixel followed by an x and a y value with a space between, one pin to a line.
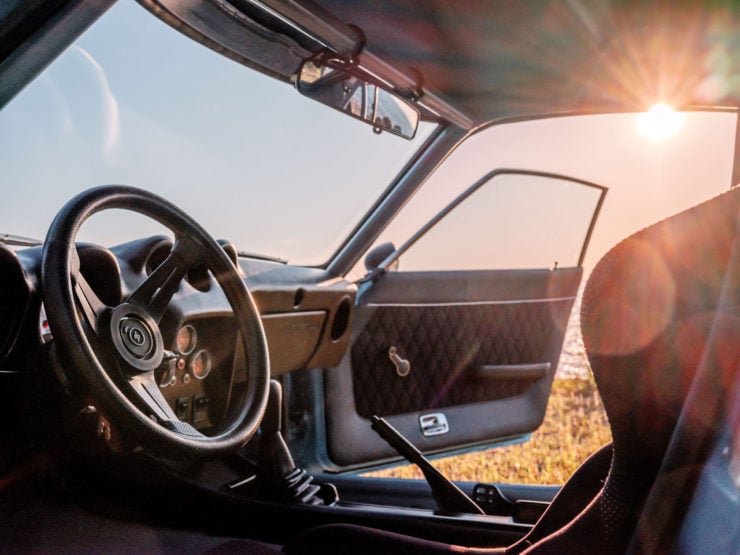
pixel 135 102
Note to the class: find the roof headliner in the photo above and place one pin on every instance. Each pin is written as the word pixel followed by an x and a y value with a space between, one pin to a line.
pixel 487 60
pixel 509 58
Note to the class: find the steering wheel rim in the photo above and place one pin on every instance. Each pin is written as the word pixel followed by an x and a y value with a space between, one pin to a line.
pixel 127 399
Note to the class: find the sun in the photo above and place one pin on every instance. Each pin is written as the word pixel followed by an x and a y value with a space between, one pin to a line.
pixel 659 123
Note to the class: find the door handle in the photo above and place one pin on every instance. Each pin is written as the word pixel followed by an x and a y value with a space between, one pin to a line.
pixel 403 366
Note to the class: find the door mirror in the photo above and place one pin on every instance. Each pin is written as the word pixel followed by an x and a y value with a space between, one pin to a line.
pixel 358 97
pixel 377 255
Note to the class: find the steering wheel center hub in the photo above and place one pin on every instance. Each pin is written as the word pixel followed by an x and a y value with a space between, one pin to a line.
pixel 136 337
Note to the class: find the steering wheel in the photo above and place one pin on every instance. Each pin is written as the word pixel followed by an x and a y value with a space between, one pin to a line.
pixel 121 376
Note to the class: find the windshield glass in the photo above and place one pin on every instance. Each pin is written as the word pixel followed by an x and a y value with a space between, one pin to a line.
pixel 135 102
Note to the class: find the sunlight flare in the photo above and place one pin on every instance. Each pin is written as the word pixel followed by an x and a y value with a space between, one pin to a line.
pixel 659 123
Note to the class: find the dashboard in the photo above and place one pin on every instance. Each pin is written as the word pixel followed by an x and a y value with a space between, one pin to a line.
pixel 305 312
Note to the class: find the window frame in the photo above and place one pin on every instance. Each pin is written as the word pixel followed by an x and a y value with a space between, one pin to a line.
pixel 395 255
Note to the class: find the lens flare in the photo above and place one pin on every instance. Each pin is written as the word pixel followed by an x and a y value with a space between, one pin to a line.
pixel 659 123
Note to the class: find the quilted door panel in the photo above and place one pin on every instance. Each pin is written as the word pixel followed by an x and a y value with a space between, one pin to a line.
pixel 444 345
pixel 482 346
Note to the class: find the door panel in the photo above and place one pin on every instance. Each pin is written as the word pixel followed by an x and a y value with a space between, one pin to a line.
pixel 456 350
pixel 482 347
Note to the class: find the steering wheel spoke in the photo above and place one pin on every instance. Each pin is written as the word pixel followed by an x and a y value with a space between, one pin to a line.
pixel 158 289
pixel 88 302
pixel 146 389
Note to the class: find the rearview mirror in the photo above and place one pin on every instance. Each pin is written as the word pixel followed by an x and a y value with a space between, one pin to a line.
pixel 357 97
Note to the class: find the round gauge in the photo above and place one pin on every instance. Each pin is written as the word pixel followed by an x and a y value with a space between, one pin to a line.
pixel 200 364
pixel 186 339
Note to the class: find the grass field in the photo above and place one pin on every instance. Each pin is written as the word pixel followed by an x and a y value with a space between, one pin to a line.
pixel 575 426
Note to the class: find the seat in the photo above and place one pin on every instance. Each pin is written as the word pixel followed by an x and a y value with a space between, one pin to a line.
pixel 660 324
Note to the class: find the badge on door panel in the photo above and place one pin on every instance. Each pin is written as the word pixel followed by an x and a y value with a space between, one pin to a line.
pixel 433 424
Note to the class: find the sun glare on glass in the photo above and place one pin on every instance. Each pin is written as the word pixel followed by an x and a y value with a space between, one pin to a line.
pixel 659 123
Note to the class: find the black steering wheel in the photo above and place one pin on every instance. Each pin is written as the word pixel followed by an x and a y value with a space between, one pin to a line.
pixel 121 377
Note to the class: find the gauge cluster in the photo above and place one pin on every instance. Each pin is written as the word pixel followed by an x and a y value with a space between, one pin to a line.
pixel 197 379
pixel 197 363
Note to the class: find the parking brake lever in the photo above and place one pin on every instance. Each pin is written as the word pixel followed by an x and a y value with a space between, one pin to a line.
pixel 450 499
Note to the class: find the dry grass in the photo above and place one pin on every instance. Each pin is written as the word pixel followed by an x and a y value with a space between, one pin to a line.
pixel 575 426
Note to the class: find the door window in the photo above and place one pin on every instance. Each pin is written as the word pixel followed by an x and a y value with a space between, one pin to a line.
pixel 520 220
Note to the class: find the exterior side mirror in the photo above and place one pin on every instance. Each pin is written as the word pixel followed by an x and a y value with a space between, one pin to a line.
pixel 375 257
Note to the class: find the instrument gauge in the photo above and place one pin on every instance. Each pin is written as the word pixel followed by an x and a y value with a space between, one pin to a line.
pixel 186 340
pixel 200 364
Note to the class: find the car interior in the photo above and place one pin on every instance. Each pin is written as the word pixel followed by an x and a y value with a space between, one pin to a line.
pixel 174 392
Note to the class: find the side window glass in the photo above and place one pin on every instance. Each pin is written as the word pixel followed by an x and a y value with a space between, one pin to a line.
pixel 509 221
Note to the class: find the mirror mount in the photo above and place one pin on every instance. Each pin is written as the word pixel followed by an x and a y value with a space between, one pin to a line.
pixel 345 86
pixel 359 44
pixel 351 64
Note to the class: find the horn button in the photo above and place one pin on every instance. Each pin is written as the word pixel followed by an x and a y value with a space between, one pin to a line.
pixel 136 337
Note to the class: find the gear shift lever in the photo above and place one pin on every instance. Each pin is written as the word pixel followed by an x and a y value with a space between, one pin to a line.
pixel 277 475
pixel 274 460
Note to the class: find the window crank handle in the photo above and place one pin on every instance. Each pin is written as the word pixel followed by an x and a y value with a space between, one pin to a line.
pixel 403 366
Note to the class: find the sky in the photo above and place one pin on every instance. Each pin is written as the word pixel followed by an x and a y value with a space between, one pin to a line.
pixel 135 102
